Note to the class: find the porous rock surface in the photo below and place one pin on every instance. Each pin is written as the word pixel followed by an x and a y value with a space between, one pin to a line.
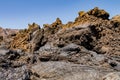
pixel 85 49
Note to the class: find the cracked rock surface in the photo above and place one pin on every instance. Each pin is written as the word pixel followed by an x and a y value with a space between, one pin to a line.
pixel 85 49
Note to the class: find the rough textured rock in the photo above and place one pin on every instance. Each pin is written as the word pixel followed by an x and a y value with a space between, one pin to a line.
pixel 7 32
pixel 112 76
pixel 7 35
pixel 68 71
pixel 23 38
pixel 116 18
pixel 90 46
pixel 53 28
pixel 99 13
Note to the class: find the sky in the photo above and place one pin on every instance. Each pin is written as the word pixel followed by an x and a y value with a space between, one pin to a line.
pixel 17 14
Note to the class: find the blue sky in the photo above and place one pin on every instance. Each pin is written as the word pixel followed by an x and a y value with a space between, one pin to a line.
pixel 18 13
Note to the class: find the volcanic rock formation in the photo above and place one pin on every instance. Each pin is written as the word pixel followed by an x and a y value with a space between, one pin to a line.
pixel 90 46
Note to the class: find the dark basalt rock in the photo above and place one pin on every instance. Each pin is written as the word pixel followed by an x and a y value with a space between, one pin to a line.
pixel 90 46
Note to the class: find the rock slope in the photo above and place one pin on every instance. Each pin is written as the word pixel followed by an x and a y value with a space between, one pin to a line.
pixel 90 46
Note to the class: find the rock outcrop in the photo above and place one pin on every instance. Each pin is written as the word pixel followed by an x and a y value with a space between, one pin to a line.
pixel 90 46
pixel 7 35
pixel 99 13
pixel 23 39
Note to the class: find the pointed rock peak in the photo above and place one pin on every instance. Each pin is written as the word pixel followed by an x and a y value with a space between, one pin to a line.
pixel 33 26
pixel 58 21
pixel 100 13
pixel 54 24
pixel 81 13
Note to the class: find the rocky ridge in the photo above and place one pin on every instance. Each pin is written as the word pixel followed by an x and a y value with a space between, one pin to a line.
pixel 90 45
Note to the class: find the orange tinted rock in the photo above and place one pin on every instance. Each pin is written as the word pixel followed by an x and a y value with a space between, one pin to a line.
pixel 23 38
pixel 99 13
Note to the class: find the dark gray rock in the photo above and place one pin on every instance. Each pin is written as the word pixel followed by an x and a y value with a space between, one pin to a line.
pixel 20 73
pixel 68 71
pixel 71 47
